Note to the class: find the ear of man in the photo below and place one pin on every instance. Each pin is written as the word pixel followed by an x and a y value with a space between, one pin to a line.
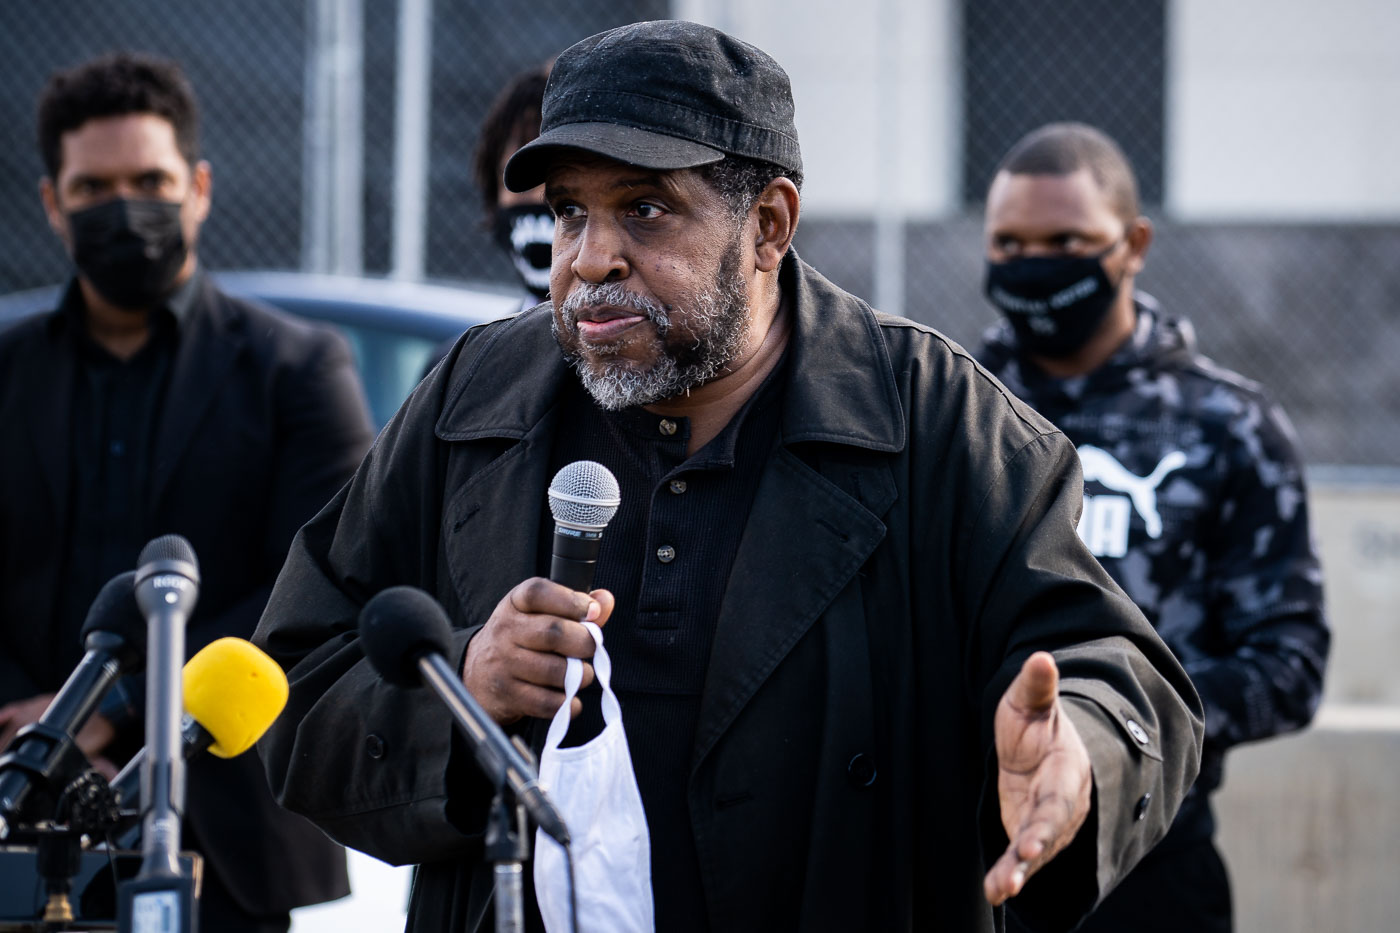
pixel 1139 236
pixel 202 189
pixel 48 194
pixel 776 211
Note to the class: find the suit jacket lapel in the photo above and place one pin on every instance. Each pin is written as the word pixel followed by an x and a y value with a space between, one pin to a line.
pixel 803 542
pixel 207 349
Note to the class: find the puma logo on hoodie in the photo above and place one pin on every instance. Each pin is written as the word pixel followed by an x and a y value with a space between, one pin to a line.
pixel 1104 524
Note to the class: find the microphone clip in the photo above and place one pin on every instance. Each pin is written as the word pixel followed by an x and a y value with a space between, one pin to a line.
pixel 51 760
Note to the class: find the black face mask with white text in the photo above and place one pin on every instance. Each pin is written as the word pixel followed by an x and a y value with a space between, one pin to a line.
pixel 130 250
pixel 1055 304
pixel 526 232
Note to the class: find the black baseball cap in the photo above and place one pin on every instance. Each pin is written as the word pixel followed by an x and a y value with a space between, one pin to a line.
pixel 662 95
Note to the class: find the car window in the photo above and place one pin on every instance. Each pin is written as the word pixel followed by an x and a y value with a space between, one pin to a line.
pixel 390 365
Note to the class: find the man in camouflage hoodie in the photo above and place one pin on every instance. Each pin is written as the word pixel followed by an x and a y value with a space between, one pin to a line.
pixel 1193 489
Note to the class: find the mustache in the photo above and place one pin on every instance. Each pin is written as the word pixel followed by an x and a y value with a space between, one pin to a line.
pixel 610 295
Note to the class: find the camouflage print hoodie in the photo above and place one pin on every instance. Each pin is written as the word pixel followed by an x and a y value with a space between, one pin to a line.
pixel 1194 502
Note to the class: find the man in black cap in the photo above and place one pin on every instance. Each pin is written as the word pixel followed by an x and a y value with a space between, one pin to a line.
pixel 871 678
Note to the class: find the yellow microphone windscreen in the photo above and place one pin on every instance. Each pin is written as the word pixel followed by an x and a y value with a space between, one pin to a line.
pixel 235 691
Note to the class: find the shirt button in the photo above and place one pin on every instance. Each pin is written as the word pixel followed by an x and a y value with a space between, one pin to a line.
pixel 678 486
pixel 1136 731
pixel 667 427
pixel 861 771
pixel 665 553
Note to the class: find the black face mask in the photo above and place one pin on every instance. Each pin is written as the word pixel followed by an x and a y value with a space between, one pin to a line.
pixel 1055 303
pixel 131 251
pixel 526 232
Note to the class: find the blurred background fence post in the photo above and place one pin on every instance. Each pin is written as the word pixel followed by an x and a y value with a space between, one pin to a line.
pixel 333 178
pixel 412 122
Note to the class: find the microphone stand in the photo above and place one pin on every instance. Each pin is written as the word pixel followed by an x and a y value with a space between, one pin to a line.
pixel 507 847
pixel 507 842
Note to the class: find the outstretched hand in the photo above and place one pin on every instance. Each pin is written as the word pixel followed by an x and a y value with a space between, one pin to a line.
pixel 1043 777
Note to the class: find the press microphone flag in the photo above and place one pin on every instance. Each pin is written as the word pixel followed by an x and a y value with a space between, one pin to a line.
pixel 114 639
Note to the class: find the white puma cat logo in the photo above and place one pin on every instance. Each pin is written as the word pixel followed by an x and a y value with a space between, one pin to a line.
pixel 1100 466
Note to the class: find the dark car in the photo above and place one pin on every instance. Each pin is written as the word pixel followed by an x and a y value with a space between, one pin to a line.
pixel 393 327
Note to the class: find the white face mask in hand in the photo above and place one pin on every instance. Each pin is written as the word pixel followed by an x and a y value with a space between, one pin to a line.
pixel 595 791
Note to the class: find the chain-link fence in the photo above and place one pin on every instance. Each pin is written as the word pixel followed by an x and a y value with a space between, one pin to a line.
pixel 300 102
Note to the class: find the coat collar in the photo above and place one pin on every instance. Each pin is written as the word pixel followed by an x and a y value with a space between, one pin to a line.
pixel 841 385
pixel 209 340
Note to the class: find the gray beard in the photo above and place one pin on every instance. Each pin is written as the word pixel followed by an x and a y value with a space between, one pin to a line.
pixel 716 322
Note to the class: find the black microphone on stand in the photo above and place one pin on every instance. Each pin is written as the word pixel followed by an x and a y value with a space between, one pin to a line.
pixel 583 498
pixel 114 636
pixel 405 634
pixel 167 587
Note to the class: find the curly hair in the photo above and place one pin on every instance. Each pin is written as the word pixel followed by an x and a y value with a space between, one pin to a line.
pixel 112 86
pixel 512 121
pixel 740 180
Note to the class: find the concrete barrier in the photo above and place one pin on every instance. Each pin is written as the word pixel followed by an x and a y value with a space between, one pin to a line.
pixel 1310 826
pixel 1357 525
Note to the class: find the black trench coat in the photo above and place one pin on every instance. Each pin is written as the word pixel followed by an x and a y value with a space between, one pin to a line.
pixel 912 541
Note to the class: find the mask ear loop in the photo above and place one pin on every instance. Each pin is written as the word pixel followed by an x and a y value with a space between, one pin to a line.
pixel 573 677
pixel 559 725
pixel 1101 256
pixel 602 667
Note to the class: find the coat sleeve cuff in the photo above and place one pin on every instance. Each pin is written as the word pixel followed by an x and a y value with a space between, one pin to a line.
pixel 1131 806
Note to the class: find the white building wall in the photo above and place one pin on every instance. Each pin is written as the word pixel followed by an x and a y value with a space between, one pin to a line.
pixel 861 152
pixel 1283 109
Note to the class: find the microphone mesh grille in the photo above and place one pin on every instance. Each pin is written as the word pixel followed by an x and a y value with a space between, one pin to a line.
pixel 584 493
pixel 167 547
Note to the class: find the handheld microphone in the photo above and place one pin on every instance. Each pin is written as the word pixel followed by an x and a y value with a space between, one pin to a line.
pixel 114 639
pixel 233 692
pixel 406 635
pixel 167 587
pixel 583 498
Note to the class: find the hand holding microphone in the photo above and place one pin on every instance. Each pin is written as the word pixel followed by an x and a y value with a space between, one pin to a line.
pixel 515 664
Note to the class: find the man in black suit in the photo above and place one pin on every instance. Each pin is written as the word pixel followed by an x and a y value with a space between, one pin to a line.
pixel 151 403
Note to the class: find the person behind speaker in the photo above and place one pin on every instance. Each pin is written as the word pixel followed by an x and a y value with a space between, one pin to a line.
pixel 1195 500
pixel 150 402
